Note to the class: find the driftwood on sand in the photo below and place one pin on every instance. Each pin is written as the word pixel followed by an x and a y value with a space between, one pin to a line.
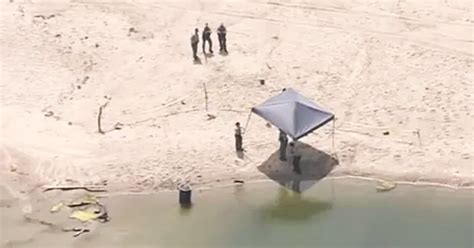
pixel 75 187
pixel 99 117
pixel 77 231
pixel 206 98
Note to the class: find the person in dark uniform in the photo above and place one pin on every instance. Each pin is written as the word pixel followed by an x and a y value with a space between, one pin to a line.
pixel 221 34
pixel 238 138
pixel 283 144
pixel 206 36
pixel 295 157
pixel 194 43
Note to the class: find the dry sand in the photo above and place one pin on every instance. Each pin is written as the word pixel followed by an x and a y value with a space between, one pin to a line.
pixel 397 66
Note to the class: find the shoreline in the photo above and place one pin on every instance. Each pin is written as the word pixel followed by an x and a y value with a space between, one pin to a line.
pixel 208 187
pixel 18 192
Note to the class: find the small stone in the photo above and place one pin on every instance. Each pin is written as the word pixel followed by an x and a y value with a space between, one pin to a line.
pixel 85 79
pixel 132 30
pixel 118 126
pixel 97 45
pixel 210 117
pixel 49 114
pixel 69 123
pixel 78 87
pixel 386 133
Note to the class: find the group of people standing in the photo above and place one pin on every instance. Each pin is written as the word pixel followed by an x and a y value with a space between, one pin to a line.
pixel 206 37
pixel 295 155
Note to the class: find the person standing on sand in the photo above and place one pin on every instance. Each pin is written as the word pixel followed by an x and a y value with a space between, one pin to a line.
pixel 206 36
pixel 295 157
pixel 194 43
pixel 238 138
pixel 283 144
pixel 221 35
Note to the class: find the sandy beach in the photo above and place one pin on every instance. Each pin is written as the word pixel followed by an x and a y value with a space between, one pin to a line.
pixel 402 67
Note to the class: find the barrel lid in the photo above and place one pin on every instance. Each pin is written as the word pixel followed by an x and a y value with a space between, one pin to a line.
pixel 184 187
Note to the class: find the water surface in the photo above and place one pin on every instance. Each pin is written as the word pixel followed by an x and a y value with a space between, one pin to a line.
pixel 331 213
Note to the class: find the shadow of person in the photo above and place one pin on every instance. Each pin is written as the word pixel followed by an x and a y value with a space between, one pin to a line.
pixel 209 55
pixel 240 154
pixel 314 165
pixel 291 206
pixel 197 61
pixel 223 53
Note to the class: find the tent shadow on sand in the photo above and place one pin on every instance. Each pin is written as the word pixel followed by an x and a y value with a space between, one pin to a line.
pixel 290 205
pixel 315 165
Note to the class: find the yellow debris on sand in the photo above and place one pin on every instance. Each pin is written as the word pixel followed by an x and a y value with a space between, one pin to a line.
pixel 85 215
pixel 84 209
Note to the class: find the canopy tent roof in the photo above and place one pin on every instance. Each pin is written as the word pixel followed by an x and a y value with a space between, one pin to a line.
pixel 293 113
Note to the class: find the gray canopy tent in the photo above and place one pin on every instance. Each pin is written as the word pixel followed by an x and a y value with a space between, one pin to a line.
pixel 293 113
pixel 296 115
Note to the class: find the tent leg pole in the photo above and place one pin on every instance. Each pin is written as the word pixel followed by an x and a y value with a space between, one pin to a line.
pixel 333 133
pixel 248 120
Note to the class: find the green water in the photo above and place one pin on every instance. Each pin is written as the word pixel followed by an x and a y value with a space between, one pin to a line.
pixel 338 213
